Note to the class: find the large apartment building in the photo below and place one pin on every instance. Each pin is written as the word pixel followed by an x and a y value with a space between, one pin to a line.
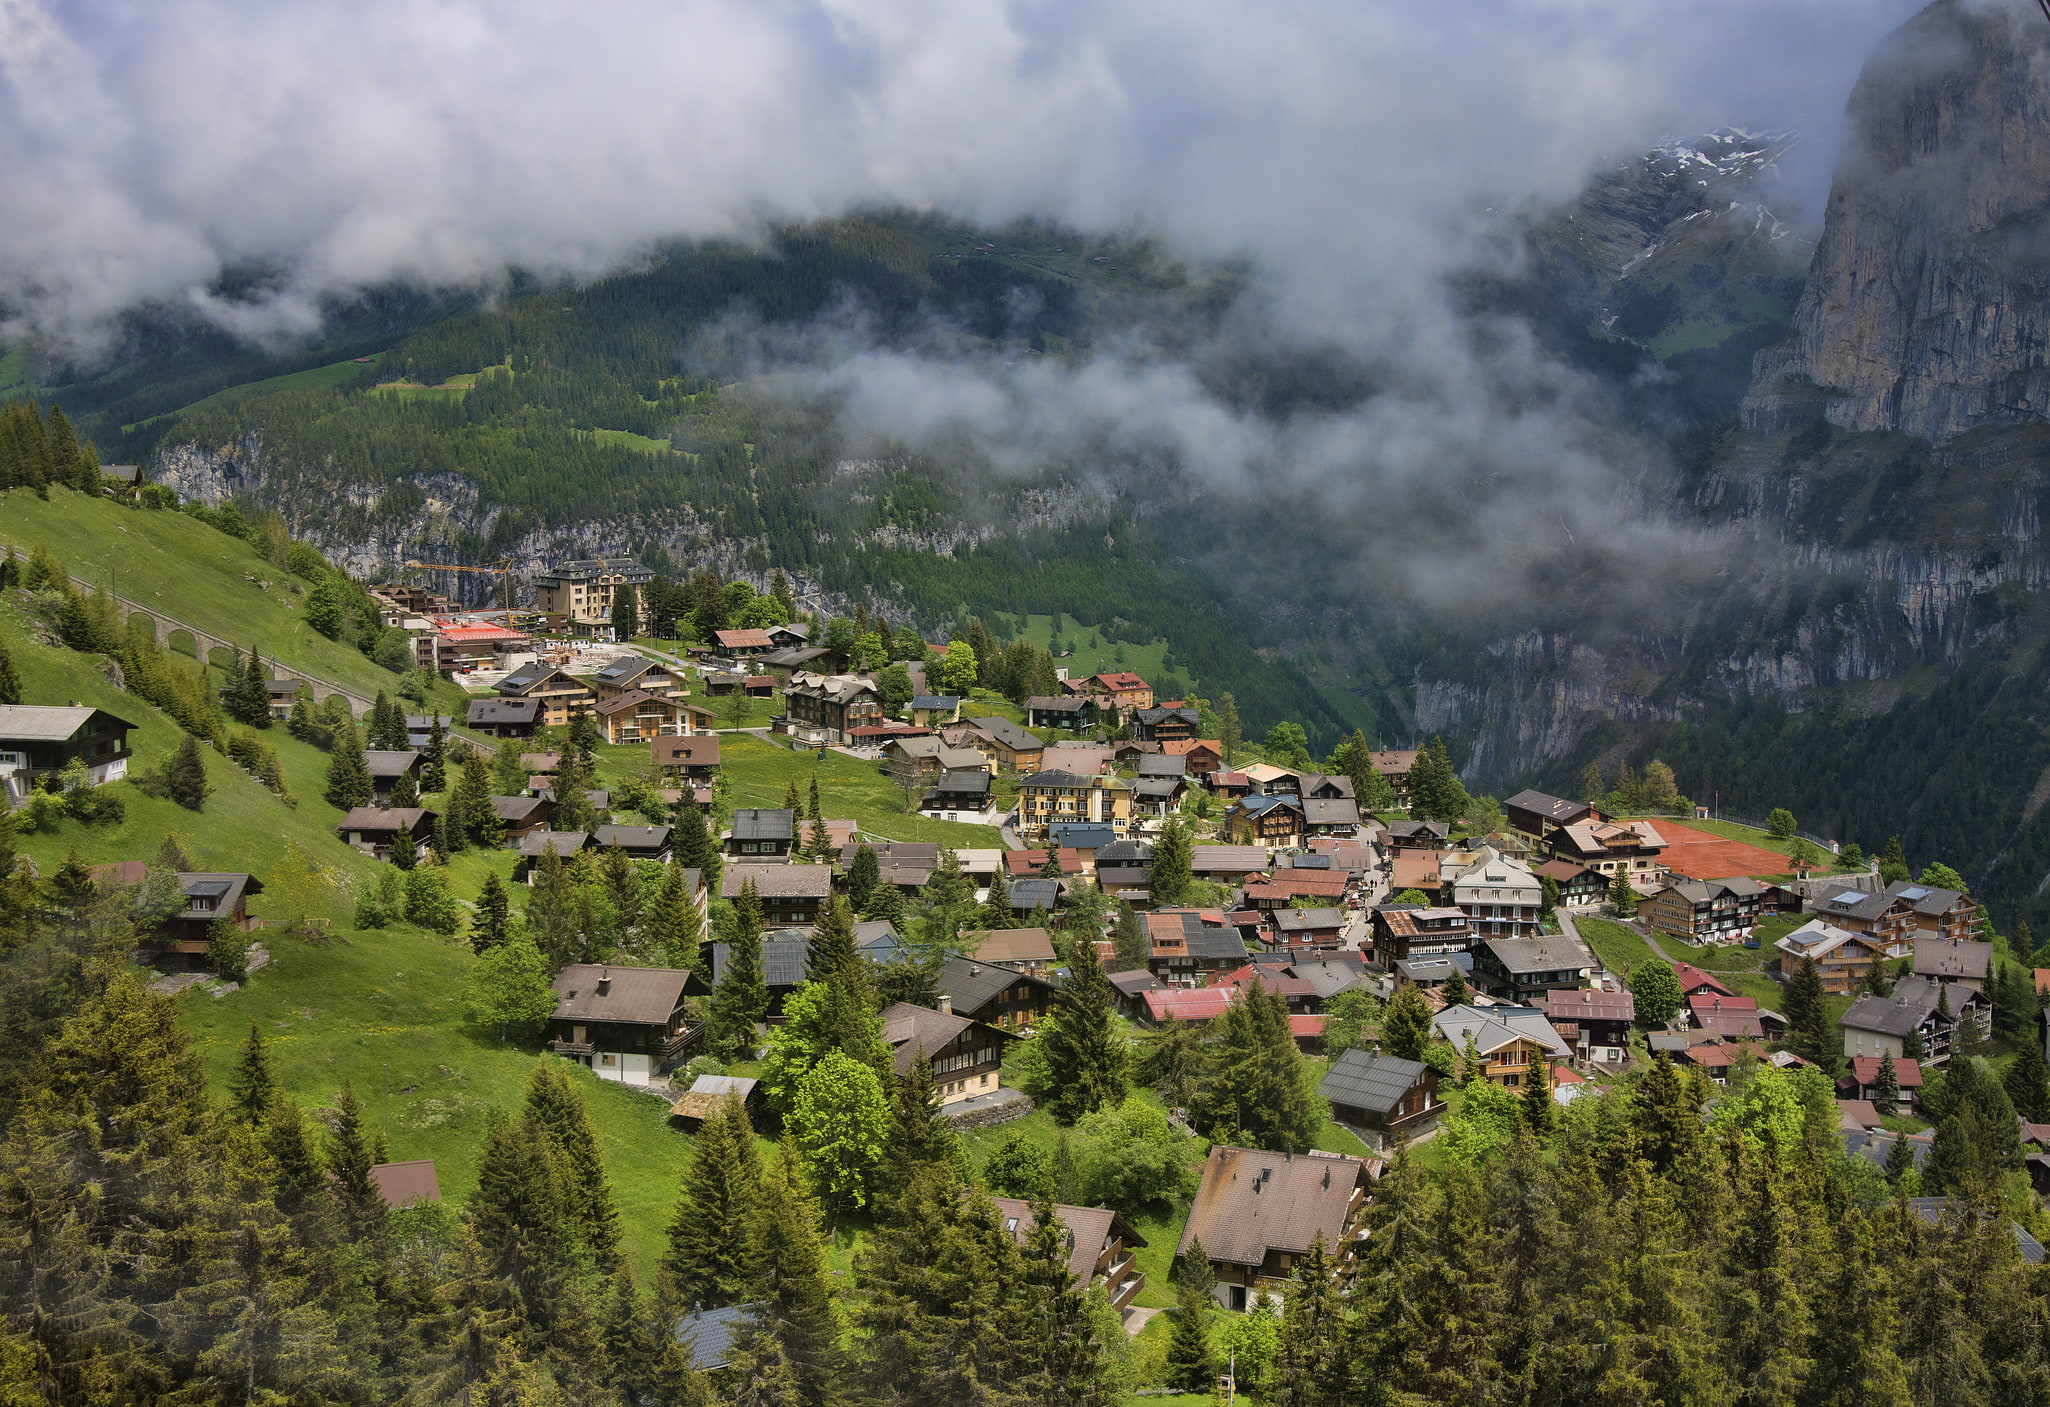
pixel 583 591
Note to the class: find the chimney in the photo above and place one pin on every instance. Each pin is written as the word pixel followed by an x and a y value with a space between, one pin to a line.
pixel 946 1004
pixel 604 980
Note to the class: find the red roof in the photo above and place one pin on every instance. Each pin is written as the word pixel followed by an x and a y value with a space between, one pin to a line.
pixel 1713 1056
pixel 1287 885
pixel 1907 1074
pixel 1709 1001
pixel 1023 864
pixel 1125 680
pixel 478 633
pixel 1274 982
pixel 743 639
pixel 1693 979
pixel 756 681
pixel 1189 1004
pixel 1310 1025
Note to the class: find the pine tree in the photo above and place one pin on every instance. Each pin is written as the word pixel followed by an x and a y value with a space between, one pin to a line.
pixel 673 923
pixel 1406 1024
pixel 491 921
pixel 434 758
pixel 348 773
pixel 1129 939
pixel 813 808
pixel 742 996
pixel 1886 1092
pixel 1455 991
pixel 405 794
pixel 2028 1083
pixel 919 1137
pixel 830 952
pixel 819 846
pixel 1173 865
pixel 1900 1159
pixel 520 1221
pixel 1666 1118
pixel 555 1107
pixel 403 853
pixel 626 613
pixel 693 843
pixel 710 1258
pixel 1256 1086
pixel 793 803
pixel 255 1089
pixel 788 1280
pixel 1191 1361
pixel 1085 1055
pixel 473 820
pixel 1534 1106
pixel 996 904
pixel 348 1164
pixel 1810 1033
pixel 864 873
pixel 185 777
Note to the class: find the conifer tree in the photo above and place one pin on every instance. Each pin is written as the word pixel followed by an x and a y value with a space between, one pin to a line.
pixel 1173 864
pixel 405 794
pixel 996 911
pixel 1455 991
pixel 788 1280
pixel 491 921
pixel 1900 1159
pixel 1191 1361
pixel 919 1137
pixel 673 922
pixel 555 1108
pixel 830 952
pixel 695 847
pixel 710 1260
pixel 864 873
pixel 793 803
pixel 1128 938
pixel 742 996
pixel 814 810
pixel 1767 1320
pixel 641 1360
pixel 1534 1107
pixel 1406 1024
pixel 185 780
pixel 519 1219
pixel 1256 1086
pixel 348 773
pixel 434 758
pixel 1886 1091
pixel 1856 1326
pixel 2028 1083
pixel 1810 1033
pixel 255 1089
pixel 626 613
pixel 348 1164
pixel 1665 1116
pixel 10 680
pixel 403 854
pixel 473 820
pixel 1085 1055
pixel 819 845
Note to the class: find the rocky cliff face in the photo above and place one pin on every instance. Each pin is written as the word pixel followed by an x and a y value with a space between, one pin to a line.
pixel 1925 309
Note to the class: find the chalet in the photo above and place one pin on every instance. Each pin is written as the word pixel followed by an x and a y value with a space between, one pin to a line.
pixel 1073 863
pixel 504 718
pixel 1382 1099
pixel 420 728
pixel 583 590
pixel 557 692
pixel 1419 835
pixel 1132 988
pixel 535 843
pixel 625 1023
pixel 1628 848
pixel 1948 960
pixel 1863 1080
pixel 790 894
pixel 1188 945
pixel 1006 744
pixel 633 674
pixel 1255 1213
pixel 958 793
pixel 1509 1039
pixel 1084 759
pixel 1694 982
pixel 1116 694
pixel 1161 764
pixel 1886 918
pixel 374 828
pixel 1188 1005
pixel 639 842
pixel 762 835
pixel 1732 1018
pixel 521 815
pixel 823 707
pixel 1271 821
pixel 207 898
pixel 40 740
pixel 785 664
pixel 758 686
pixel 1168 724
pixel 1939 913
pixel 1102 1246
pixel 1405 931
pixel 635 716
pixel 283 693
pixel 1324 816
pixel 786 962
pixel 1202 755
pixel 1578 885
pixel 928 710
pixel 736 644
pixel 1432 974
pixel 1287 888
pixel 1876 1026
pixel 1715 910
pixel 1036 896
pixel 1521 968
pixel 1329 973
pixel 1158 796
pixel 693 759
pixel 1228 864
pixel 386 767
pixel 1047 797
pixel 711 1338
pixel 708 1094
pixel 1020 949
pixel 966 1054
pixel 724 684
pixel 1843 959
pixel 1296 994
pixel 928 757
pixel 1269 780
pixel 1500 895
pixel 1534 815
pixel 1596 1024
pixel 1309 928
pixel 1088 838
pixel 997 996
pixel 1127 752
pixel 1068 715
pixel 789 636
pixel 1395 765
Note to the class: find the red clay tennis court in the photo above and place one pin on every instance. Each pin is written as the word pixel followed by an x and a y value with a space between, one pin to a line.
pixel 1700 855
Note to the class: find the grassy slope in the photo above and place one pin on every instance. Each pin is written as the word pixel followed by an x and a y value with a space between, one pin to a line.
pixel 760 771
pixel 199 575
pixel 1093 654
pixel 333 374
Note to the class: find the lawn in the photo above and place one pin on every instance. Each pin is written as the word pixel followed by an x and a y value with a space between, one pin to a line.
pixel 200 574
pixel 1092 654
pixel 1619 947
pixel 629 440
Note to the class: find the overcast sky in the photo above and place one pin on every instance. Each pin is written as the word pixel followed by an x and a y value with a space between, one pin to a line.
pixel 437 140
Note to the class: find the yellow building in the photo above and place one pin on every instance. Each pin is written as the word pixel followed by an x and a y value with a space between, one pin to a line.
pixel 583 590
pixel 1047 797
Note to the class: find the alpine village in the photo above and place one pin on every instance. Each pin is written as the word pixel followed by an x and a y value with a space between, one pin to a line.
pixel 656 991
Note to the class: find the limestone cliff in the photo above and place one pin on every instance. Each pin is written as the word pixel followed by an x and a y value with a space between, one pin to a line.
pixel 1925 309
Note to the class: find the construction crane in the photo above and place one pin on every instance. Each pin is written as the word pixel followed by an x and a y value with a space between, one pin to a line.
pixel 502 569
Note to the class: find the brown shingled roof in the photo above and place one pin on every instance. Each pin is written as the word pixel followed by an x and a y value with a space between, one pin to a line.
pixel 1251 1202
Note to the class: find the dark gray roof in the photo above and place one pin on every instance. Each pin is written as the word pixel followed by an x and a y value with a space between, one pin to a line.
pixel 1376 1082
pixel 758 824
pixel 1133 853
pixel 939 701
pixel 1205 941
pixel 785 961
pixel 1297 921
pixel 633 837
pixel 622 670
pixel 1053 779
pixel 964 783
pixel 503 710
pixel 1925 899
pixel 1894 1015
pixel 1136 981
pixel 1932 1210
pixel 972 984
pixel 1009 734
pixel 710 1335
pixel 383 762
pixel 1329 977
pixel 48 723
pixel 1161 765
pixel 1084 835
pixel 1035 893
pixel 1551 807
pixel 565 842
pixel 1157 788
pixel 516 808
pixel 1552 952
pixel 1161 715
pixel 1341 812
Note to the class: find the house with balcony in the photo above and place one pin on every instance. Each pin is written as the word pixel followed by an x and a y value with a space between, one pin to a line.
pixel 38 740
pixel 1045 798
pixel 631 673
pixel 1843 959
pixel 966 1055
pixel 1508 1039
pixel 1876 1026
pixel 636 717
pixel 1381 1098
pixel 1499 895
pixel 1522 968
pixel 1631 849
pixel 1102 1246
pixel 1257 1213
pixel 824 707
pixel 1887 918
pixel 555 692
pixel 582 591
pixel 1715 910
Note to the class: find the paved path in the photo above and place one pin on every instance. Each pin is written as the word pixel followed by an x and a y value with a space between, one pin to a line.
pixel 1137 1319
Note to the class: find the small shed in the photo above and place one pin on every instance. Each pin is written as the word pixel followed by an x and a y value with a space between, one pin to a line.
pixel 708 1092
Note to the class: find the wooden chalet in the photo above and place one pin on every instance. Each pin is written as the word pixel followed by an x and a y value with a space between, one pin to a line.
pixel 1381 1098
pixel 1256 1213
pixel 624 1023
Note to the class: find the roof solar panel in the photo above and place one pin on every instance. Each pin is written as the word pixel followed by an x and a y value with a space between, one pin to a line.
pixel 1915 893
pixel 208 889
pixel 1849 896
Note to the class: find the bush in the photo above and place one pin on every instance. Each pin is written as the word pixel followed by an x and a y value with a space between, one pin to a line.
pixel 1019 1168
pixel 1130 1158
pixel 229 951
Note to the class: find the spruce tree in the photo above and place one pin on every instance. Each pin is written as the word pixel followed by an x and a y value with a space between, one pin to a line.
pixel 919 1136
pixel 1810 1033
pixel 1256 1086
pixel 814 810
pixel 348 1164
pixel 2028 1083
pixel 1134 949
pixel 1084 1054
pixel 185 777
pixel 819 845
pixel 555 1107
pixel 10 680
pixel 742 996
pixel 434 758
pixel 693 842
pixel 491 920
pixel 864 873
pixel 1455 991
pixel 348 773
pixel 1173 864
pixel 519 1217
pixel 673 923
pixel 1886 1091
pixel 405 794
pixel 1900 1159
pixel 1665 1116
pixel 626 613
pixel 255 1089
pixel 473 820
pixel 830 952
pixel 996 909
pixel 1534 1106
pixel 1191 1361
pixel 1406 1023
pixel 403 853
pixel 788 1280
pixel 710 1260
